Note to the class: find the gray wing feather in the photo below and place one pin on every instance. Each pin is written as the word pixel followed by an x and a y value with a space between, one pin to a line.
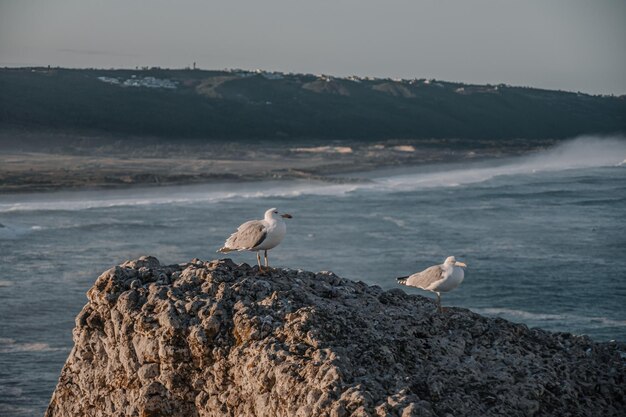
pixel 426 277
pixel 248 235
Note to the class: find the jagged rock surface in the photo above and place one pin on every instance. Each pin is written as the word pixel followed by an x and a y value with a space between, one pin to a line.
pixel 220 339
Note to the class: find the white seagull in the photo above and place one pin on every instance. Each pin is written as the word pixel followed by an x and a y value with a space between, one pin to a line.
pixel 258 235
pixel 438 278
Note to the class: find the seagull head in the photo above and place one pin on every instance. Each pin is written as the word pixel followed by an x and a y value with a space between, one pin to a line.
pixel 451 260
pixel 273 213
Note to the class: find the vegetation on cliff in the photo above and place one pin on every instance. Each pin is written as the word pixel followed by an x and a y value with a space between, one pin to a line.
pixel 260 105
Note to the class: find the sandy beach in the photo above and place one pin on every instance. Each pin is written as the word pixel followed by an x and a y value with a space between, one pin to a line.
pixel 106 163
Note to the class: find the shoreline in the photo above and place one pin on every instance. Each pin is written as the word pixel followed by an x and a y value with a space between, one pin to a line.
pixel 23 172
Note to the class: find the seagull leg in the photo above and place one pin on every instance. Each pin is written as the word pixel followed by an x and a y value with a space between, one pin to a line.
pixel 439 302
pixel 258 260
pixel 267 263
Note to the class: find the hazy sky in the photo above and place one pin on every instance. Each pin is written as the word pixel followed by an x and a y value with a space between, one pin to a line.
pixel 577 45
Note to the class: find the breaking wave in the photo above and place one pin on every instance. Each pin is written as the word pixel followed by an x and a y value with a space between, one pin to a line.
pixel 185 194
pixel 584 152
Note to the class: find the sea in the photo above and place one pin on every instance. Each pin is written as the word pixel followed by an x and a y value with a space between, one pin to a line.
pixel 543 235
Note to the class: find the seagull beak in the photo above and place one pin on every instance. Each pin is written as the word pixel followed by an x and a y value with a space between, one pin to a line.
pixel 286 216
pixel 460 264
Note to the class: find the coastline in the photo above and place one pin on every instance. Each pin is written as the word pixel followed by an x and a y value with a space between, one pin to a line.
pixel 131 166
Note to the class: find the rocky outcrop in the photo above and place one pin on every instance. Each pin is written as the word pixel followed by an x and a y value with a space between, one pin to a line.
pixel 220 339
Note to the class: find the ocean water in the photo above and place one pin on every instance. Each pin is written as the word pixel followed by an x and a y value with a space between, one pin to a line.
pixel 544 237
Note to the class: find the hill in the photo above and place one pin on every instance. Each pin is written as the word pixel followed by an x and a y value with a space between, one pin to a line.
pixel 220 339
pixel 238 104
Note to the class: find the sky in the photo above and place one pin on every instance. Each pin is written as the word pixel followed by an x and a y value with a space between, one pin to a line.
pixel 574 45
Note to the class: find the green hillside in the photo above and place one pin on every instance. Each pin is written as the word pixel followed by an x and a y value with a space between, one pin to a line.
pixel 240 104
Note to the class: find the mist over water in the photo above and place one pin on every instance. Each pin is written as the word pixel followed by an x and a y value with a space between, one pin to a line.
pixel 583 152
pixel 543 235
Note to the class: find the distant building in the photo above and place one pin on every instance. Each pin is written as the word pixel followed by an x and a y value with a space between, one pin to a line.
pixel 147 82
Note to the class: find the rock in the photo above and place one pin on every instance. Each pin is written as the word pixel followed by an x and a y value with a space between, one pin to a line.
pixel 220 339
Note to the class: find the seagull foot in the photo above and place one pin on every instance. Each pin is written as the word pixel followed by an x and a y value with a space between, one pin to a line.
pixel 264 270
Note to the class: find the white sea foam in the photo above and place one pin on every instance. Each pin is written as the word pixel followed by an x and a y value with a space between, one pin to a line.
pixel 8 345
pixel 547 317
pixel 585 152
pixel 85 200
pixel 398 222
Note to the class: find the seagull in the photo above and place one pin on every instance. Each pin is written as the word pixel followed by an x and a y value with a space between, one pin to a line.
pixel 258 235
pixel 438 278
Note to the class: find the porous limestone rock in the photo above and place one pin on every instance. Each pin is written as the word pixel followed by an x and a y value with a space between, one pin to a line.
pixel 220 339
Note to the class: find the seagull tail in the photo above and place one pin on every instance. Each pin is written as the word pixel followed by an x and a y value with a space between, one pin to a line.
pixel 225 250
pixel 402 280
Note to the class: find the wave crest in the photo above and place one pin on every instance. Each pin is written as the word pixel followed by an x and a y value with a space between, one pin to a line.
pixel 583 152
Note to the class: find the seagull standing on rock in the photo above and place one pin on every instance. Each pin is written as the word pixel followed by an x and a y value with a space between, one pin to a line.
pixel 258 235
pixel 438 278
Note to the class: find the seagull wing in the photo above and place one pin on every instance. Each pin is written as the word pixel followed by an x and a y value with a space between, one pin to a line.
pixel 426 278
pixel 248 236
